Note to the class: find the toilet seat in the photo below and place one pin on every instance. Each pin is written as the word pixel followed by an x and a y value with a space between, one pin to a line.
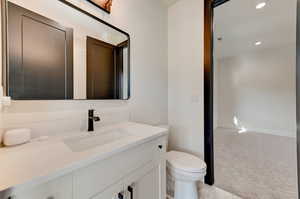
pixel 176 174
pixel 185 163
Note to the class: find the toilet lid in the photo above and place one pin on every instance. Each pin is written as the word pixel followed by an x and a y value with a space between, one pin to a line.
pixel 185 162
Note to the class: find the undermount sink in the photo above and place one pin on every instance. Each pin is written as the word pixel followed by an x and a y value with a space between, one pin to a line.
pixel 94 139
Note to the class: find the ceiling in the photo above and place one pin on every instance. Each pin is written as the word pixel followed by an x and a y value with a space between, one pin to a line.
pixel 241 25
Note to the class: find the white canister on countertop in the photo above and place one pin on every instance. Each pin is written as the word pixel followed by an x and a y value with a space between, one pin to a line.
pixel 16 137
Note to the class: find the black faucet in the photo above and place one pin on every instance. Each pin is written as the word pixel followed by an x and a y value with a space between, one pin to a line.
pixel 92 119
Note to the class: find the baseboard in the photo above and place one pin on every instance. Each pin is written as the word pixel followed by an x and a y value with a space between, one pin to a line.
pixel 169 197
pixel 284 133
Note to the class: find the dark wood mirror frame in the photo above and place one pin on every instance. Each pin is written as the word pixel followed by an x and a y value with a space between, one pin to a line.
pixel 107 11
pixel 3 4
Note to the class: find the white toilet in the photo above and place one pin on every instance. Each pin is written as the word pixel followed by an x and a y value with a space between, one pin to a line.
pixel 186 170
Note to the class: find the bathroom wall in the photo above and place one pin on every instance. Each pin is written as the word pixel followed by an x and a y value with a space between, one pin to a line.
pixel 146 22
pixel 259 89
pixel 185 75
pixel 0 47
pixel 216 97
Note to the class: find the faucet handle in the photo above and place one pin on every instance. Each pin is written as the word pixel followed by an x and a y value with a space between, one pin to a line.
pixel 97 119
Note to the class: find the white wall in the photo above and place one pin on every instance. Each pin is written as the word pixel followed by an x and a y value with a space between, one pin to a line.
pixel 259 88
pixel 1 91
pixel 146 22
pixel 0 47
pixel 215 102
pixel 185 55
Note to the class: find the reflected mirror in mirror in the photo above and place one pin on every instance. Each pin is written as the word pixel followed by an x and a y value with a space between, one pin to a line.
pixel 58 51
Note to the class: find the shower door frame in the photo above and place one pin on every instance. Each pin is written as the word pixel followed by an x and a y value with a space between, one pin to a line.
pixel 298 92
pixel 209 6
pixel 208 92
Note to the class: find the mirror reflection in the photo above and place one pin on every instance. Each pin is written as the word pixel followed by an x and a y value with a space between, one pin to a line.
pixel 53 55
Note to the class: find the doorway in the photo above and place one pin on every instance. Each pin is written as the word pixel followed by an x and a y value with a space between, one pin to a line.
pixel 258 137
pixel 106 69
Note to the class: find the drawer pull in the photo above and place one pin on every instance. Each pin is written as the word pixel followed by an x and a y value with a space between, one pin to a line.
pixel 120 196
pixel 130 189
pixel 160 146
pixel 50 197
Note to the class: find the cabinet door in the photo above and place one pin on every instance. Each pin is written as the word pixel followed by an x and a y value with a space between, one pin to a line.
pixel 95 178
pixel 149 182
pixel 148 187
pixel 112 192
pixel 60 188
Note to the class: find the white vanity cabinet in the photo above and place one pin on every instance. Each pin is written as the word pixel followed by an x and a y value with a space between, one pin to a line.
pixel 141 167
pixel 147 182
pixel 60 188
pixel 147 187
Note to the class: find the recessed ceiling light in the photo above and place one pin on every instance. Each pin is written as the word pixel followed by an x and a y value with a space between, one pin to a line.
pixel 258 43
pixel 261 5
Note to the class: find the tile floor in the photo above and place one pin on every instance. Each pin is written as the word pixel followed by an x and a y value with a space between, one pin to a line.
pixel 212 192
pixel 255 165
pixel 252 166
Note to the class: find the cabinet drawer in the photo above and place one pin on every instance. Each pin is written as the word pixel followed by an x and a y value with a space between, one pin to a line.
pixel 92 180
pixel 60 188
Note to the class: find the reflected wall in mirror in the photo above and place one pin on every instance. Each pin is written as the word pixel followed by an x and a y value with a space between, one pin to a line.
pixel 56 51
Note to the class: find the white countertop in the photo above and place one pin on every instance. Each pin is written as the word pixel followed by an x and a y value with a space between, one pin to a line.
pixel 39 161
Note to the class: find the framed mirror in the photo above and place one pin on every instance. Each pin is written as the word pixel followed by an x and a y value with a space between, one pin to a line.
pixel 56 50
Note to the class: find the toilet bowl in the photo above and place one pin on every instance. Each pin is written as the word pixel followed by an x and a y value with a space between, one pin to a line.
pixel 186 170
